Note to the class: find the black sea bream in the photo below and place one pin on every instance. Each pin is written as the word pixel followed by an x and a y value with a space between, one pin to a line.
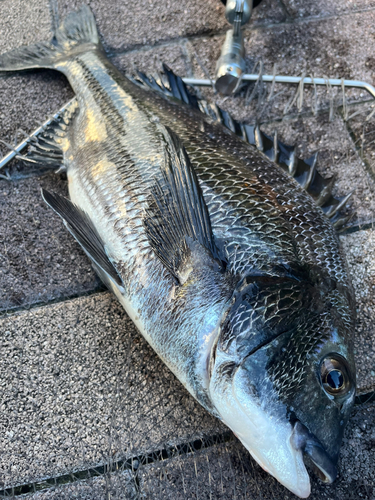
pixel 228 267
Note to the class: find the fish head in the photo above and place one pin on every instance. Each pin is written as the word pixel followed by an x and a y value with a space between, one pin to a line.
pixel 282 376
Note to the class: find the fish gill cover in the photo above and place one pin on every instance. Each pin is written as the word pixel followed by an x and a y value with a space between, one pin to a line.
pixel 85 402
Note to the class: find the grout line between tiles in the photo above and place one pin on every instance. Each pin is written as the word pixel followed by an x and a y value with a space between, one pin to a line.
pixel 113 51
pixel 8 313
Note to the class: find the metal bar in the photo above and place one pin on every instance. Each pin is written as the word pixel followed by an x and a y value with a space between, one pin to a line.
pixel 19 147
pixel 291 79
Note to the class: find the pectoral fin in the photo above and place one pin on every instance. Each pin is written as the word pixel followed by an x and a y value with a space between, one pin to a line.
pixel 81 227
pixel 177 221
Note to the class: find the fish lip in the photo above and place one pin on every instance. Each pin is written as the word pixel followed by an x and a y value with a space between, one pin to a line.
pixel 323 465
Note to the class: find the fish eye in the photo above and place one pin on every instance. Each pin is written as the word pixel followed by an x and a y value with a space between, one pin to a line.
pixel 334 374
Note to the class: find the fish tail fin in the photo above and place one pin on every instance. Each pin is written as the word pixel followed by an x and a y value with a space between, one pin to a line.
pixel 77 30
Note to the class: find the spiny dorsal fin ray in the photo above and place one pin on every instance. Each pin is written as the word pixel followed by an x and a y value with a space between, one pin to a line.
pixel 177 222
pixel 304 171
pixel 341 221
pixel 179 87
pixel 82 229
pixel 153 82
pixel 45 149
pixel 334 205
pixel 173 87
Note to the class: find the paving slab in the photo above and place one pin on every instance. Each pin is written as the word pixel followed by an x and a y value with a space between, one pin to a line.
pixel 322 8
pixel 80 387
pixel 228 472
pixel 40 261
pixel 116 486
pixel 359 251
pixel 268 12
pixel 129 24
pixel 323 48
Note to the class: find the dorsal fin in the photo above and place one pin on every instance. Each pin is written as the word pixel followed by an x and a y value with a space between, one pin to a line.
pixel 45 149
pixel 171 86
pixel 177 222
pixel 304 171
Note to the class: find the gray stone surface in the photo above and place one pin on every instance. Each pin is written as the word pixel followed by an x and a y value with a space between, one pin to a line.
pixel 323 48
pixel 130 24
pixel 22 23
pixel 40 261
pixel 79 387
pixel 116 486
pixel 359 249
pixel 228 472
pixel 361 125
pixel 323 8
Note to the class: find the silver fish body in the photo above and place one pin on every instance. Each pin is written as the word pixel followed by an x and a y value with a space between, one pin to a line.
pixel 260 333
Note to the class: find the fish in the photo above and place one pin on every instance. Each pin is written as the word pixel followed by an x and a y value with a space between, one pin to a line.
pixel 220 244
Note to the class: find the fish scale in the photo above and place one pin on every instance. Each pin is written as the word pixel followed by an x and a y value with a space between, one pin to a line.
pixel 246 191
pixel 225 264
pixel 302 223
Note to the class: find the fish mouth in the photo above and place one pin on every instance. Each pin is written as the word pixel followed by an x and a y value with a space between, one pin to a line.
pixel 318 458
